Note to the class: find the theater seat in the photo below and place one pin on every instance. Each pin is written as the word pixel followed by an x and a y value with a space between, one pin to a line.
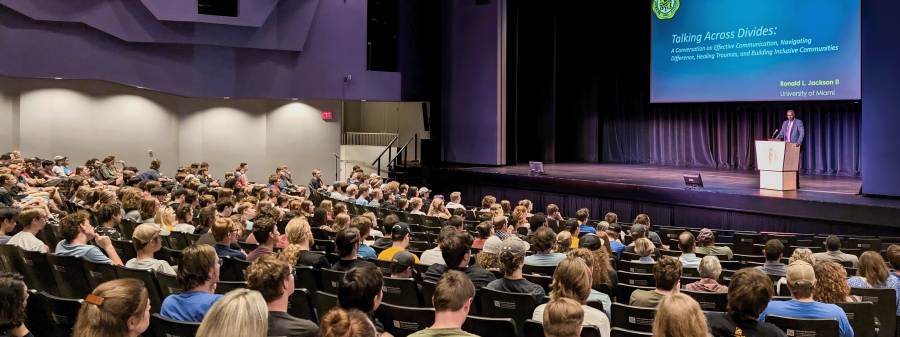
pixel 330 280
pixel 300 305
pixel 70 276
pixel 809 327
pixel 862 318
pixel 150 282
pixel 224 287
pixel 501 304
pixel 324 302
pixel 490 327
pixel 709 301
pixel 401 321
pixel 48 315
pixel 400 291
pixel 165 327
pixel 617 332
pixel 536 329
pixel 885 302
pixel 632 318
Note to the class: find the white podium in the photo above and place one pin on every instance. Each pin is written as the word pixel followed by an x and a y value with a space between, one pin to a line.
pixel 778 163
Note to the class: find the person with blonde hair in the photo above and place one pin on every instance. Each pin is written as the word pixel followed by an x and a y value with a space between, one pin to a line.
pixel 346 323
pixel 225 232
pixel 572 280
pixel 240 313
pixel 131 203
pixel 679 315
pixel 329 209
pixel 563 242
pixel 831 283
pixel 416 205
pixel 563 318
pixel 588 257
pixel 341 221
pixel 437 209
pixel 299 237
pixel 521 212
pixel 643 247
pixel 489 257
pixel 165 218
pixel 486 203
pixel 496 211
pixel 116 308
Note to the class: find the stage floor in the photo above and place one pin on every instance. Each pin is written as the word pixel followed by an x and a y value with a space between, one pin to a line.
pixel 813 187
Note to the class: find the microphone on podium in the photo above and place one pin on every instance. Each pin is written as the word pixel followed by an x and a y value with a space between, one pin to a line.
pixel 774 134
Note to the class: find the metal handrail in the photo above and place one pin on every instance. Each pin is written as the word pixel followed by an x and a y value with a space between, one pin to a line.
pixel 404 151
pixel 387 149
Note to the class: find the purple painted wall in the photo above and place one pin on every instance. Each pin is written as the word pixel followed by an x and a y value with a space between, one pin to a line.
pixel 469 99
pixel 92 39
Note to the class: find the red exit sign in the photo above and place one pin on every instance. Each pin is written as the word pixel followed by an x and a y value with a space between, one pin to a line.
pixel 326 114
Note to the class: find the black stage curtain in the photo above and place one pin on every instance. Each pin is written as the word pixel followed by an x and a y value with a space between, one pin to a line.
pixel 588 101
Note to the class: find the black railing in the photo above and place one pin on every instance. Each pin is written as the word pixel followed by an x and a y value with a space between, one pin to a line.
pixel 388 150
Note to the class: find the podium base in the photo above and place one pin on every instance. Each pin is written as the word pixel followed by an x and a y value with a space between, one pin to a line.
pixel 779 181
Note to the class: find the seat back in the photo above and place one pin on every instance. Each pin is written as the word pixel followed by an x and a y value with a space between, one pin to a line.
pixel 324 302
pixel 788 240
pixel 623 291
pixel 171 255
pixel 865 244
pixel 307 278
pixel 191 238
pixel 431 221
pixel 810 327
pixel 127 227
pixel 223 287
pixel 165 327
pixel 178 241
pixel 38 271
pixel 48 315
pixel 743 242
pixel 501 304
pixel 636 279
pixel 233 269
pixel 150 282
pixel 330 280
pixel 98 272
pixel 414 219
pixel 619 332
pixel 402 321
pixel 543 281
pixel 327 246
pixel 885 302
pixel 427 293
pixel 382 213
pixel 300 305
pixel 125 249
pixel 401 291
pixel 636 267
pixel 168 285
pixel 248 247
pixel 70 276
pixel 10 259
pixel 632 318
pixel 709 301
pixel 861 316
pixel 543 270
pixel 494 327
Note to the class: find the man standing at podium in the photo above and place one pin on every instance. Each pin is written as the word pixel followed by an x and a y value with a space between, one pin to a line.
pixel 792 132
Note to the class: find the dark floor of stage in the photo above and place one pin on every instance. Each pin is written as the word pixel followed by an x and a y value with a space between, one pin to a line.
pixel 814 187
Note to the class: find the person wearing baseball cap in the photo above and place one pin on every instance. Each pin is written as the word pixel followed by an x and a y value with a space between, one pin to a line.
pixel 512 258
pixel 61 169
pixel 801 279
pixel 639 231
pixel 706 244
pixel 424 193
pixel 572 226
pixel 400 239
pixel 402 263
pixel 146 240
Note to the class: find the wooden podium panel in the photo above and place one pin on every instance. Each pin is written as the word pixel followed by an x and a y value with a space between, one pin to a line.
pixel 778 163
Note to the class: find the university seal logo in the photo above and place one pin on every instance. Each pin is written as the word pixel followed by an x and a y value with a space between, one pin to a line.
pixel 665 9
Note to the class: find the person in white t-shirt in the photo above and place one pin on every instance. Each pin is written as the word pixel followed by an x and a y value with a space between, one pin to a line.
pixel 455 199
pixel 33 219
pixel 146 240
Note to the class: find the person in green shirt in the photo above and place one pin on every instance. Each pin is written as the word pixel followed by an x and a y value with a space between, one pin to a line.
pixel 108 168
pixel 706 244
pixel 453 296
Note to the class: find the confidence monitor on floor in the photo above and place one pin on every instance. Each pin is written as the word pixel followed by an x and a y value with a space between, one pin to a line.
pixel 692 180
pixel 536 168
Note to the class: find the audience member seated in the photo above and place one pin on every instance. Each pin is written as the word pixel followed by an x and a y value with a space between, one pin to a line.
pixel 241 312
pixel 638 231
pixel 147 241
pixel 198 273
pixel 402 265
pixel 361 289
pixel 346 323
pixel 319 218
pixel 563 242
pixel 707 244
pixel 679 315
pixel 434 255
pixel 453 296
pixel 437 209
pixel 364 225
pixel 710 269
pixel 667 272
pixel 582 216
pixel 377 195
pixel 688 246
pixel 512 258
pixel 8 217
pixel 833 252
pixel 456 253
pixel 274 280
pixel 109 216
pixel 572 280
pixel 542 241
pixel 501 227
pixel 801 280
pixel 116 308
pixel 400 239
pixel 644 248
pixel 615 232
pixel 386 242
pixel 598 277
pixel 563 317
pixel 644 220
pixel 455 201
pixel 749 294
pixel 149 206
pixel 831 284
pixel 893 256
pixel 225 232
pixel 774 252
pixel 601 269
pixel 296 253
pixel 13 299
pixel 76 231
pixel 347 245
pixel 489 257
pixel 33 221
pixel 573 228
pixel 873 273
pixel 265 232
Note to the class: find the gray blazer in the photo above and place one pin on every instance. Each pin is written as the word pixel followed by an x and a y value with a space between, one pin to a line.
pixel 796 131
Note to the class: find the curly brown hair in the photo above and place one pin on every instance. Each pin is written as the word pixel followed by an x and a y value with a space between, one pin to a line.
pixel 488 261
pixel 590 258
pixel 831 286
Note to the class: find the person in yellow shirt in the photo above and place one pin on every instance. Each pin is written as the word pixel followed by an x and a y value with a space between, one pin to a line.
pixel 573 227
pixel 400 238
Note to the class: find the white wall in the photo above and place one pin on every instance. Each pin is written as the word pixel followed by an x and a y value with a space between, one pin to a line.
pixel 92 119
pixel 404 118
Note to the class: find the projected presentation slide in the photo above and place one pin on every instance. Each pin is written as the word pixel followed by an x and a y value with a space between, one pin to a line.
pixel 758 50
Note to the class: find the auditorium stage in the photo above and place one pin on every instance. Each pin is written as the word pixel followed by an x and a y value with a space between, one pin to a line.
pixel 821 197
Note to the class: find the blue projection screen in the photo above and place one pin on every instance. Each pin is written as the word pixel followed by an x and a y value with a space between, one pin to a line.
pixel 759 50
